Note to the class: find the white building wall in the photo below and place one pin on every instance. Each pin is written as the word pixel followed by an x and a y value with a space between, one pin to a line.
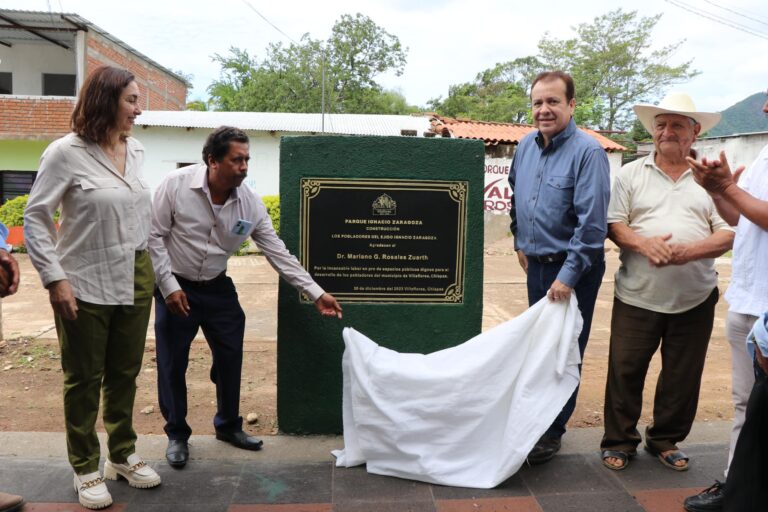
pixel 739 149
pixel 614 160
pixel 165 148
pixel 28 62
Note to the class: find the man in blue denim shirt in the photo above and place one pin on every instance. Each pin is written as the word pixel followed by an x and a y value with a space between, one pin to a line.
pixel 560 180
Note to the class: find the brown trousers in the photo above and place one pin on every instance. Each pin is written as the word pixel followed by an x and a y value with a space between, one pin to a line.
pixel 636 334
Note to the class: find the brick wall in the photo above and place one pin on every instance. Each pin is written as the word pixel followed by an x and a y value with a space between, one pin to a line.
pixel 47 118
pixel 159 90
pixel 34 117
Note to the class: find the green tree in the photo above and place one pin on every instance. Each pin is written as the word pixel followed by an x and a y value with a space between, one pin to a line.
pixel 289 78
pixel 497 94
pixel 198 105
pixel 613 66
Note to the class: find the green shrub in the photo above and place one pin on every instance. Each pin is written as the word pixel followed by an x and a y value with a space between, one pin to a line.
pixel 273 208
pixel 244 248
pixel 12 212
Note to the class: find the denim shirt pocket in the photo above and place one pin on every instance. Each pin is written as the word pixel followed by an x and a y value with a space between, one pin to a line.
pixel 560 182
pixel 560 192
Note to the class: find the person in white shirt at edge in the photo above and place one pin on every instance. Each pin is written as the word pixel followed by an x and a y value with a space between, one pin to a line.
pixel 202 215
pixel 746 206
pixel 97 271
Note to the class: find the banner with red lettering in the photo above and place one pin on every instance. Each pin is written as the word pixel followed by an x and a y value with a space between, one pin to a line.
pixel 496 192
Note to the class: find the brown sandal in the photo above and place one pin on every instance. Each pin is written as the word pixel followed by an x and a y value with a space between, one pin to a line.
pixel 671 458
pixel 616 454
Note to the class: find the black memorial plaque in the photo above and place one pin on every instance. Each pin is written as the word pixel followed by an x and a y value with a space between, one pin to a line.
pixel 382 240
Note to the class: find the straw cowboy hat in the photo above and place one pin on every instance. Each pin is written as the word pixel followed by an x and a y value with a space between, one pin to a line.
pixel 675 103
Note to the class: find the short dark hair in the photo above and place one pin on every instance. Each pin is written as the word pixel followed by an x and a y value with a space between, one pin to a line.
pixel 547 76
pixel 96 109
pixel 217 143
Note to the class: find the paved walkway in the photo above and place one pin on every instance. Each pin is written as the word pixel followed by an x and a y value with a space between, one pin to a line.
pixel 298 474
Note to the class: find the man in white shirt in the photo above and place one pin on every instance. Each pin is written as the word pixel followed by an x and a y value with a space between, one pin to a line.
pixel 746 206
pixel 201 216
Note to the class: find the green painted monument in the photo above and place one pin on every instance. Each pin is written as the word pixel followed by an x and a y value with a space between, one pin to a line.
pixel 393 228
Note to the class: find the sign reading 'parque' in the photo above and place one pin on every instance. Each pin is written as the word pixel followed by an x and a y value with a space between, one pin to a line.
pixel 382 240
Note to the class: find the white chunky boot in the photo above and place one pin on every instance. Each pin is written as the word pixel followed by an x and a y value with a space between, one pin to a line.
pixel 92 491
pixel 135 470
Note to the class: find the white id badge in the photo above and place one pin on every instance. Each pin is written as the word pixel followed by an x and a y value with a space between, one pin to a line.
pixel 241 227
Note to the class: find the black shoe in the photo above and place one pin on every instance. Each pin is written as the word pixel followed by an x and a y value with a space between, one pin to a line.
pixel 544 449
pixel 240 440
pixel 177 452
pixel 708 500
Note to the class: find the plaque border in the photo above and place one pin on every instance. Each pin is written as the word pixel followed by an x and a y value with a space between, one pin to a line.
pixel 458 191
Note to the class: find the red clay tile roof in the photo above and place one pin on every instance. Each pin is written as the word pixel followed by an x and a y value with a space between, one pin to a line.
pixel 500 133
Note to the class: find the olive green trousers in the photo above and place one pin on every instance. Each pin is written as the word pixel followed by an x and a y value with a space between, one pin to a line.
pixel 101 353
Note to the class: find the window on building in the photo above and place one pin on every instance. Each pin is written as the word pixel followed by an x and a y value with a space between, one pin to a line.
pixel 6 83
pixel 15 183
pixel 58 85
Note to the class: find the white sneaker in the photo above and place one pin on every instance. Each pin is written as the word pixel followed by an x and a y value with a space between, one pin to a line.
pixel 135 470
pixel 92 491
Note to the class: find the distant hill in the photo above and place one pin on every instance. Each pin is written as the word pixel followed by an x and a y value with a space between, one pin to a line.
pixel 743 117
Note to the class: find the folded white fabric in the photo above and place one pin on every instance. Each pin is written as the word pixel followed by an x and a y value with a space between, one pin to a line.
pixel 465 416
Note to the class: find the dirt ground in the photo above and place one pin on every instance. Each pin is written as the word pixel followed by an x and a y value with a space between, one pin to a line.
pixel 31 379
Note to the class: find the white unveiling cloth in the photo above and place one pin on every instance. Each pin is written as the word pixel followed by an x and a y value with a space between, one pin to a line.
pixel 465 416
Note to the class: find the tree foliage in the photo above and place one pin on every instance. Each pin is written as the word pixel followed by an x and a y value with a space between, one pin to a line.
pixel 197 105
pixel 290 77
pixel 497 94
pixel 610 59
pixel 613 65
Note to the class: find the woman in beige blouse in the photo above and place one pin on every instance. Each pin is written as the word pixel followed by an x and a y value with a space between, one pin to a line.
pixel 98 274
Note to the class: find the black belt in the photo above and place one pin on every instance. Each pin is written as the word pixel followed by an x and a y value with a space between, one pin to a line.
pixel 207 282
pixel 550 258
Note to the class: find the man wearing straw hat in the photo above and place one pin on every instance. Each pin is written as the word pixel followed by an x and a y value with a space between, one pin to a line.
pixel 669 233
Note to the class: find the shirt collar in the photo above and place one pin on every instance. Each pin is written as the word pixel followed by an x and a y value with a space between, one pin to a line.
pixel 559 139
pixel 80 142
pixel 200 181
pixel 650 161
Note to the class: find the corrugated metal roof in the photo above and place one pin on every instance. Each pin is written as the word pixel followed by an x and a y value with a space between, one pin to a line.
pixel 341 124
pixel 39 27
pixel 500 133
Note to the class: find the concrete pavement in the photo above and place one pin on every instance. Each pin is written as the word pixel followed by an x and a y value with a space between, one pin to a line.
pixel 298 474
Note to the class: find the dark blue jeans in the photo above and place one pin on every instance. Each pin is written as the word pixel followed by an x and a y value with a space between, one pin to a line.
pixel 540 278
pixel 216 310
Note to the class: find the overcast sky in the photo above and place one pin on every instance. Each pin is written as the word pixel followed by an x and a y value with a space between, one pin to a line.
pixel 448 42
